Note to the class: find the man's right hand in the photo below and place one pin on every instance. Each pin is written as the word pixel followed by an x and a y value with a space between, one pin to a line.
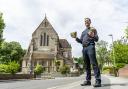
pixel 73 34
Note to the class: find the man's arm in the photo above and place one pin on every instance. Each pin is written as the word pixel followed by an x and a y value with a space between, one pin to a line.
pixel 78 40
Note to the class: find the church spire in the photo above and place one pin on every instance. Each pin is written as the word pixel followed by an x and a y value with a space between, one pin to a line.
pixel 45 21
pixel 45 16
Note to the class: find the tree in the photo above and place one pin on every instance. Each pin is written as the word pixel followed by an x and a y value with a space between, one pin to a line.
pixel 102 53
pixel 126 32
pixel 120 49
pixel 2 25
pixel 11 51
pixel 121 52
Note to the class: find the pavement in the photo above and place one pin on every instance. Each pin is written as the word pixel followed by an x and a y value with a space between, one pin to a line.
pixel 108 82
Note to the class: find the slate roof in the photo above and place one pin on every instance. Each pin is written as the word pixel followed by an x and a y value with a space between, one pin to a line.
pixel 64 43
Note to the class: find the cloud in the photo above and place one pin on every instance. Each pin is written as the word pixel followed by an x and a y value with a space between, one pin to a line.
pixel 22 17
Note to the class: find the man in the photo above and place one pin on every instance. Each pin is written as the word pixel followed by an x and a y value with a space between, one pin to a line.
pixel 88 38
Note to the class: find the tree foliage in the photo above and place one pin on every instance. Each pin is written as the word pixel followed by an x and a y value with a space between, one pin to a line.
pixel 2 25
pixel 126 32
pixel 102 53
pixel 120 52
pixel 11 51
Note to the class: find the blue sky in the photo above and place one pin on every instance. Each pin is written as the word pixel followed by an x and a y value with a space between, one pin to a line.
pixel 22 17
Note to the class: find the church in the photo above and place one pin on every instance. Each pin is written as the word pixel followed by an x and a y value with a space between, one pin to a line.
pixel 46 49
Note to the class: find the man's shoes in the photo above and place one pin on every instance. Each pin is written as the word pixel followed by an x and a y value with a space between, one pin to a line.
pixel 86 83
pixel 97 83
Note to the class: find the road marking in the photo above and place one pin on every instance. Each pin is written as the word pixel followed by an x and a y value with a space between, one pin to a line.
pixel 67 86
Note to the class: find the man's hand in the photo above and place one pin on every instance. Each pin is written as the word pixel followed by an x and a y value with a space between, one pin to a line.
pixel 91 33
pixel 73 34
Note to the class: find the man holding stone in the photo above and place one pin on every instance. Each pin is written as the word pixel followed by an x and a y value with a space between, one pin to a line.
pixel 88 38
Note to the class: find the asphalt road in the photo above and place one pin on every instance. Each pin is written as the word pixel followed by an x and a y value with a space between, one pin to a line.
pixel 36 84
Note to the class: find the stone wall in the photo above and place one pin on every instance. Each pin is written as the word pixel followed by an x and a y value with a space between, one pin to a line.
pixel 16 76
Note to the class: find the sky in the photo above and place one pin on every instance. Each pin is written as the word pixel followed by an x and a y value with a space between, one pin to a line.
pixel 22 17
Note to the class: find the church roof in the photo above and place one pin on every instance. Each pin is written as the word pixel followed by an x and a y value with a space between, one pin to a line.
pixel 64 43
pixel 45 23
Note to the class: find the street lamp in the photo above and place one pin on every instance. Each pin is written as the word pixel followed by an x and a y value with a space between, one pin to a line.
pixel 113 51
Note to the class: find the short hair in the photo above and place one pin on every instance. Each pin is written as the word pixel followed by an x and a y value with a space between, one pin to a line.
pixel 88 19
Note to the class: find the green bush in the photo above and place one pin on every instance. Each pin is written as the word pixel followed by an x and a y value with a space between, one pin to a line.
pixel 3 68
pixel 106 71
pixel 38 70
pixel 57 63
pixel 65 69
pixel 13 67
pixel 120 65
pixel 109 69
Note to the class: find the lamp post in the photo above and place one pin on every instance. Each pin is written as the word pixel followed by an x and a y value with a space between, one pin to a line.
pixel 113 52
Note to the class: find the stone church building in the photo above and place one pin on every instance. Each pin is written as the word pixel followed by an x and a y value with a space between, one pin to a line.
pixel 46 48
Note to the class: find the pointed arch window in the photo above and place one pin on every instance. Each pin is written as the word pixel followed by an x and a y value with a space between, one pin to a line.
pixel 47 40
pixel 41 40
pixel 44 40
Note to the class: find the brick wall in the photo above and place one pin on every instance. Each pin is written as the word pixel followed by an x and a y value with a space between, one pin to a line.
pixel 123 71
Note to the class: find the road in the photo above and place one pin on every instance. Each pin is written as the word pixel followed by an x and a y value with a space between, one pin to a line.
pixel 108 82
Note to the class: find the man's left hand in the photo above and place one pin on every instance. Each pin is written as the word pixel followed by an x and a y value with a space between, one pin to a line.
pixel 91 33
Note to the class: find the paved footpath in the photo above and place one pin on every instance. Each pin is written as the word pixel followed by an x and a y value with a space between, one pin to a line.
pixel 108 82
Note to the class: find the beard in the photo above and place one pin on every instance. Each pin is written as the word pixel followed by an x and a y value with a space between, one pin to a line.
pixel 87 25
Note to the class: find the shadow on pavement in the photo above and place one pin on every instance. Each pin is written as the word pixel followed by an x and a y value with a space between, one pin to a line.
pixel 13 80
pixel 106 84
pixel 120 84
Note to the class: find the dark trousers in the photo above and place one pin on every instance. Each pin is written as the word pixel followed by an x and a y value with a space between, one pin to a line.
pixel 89 56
